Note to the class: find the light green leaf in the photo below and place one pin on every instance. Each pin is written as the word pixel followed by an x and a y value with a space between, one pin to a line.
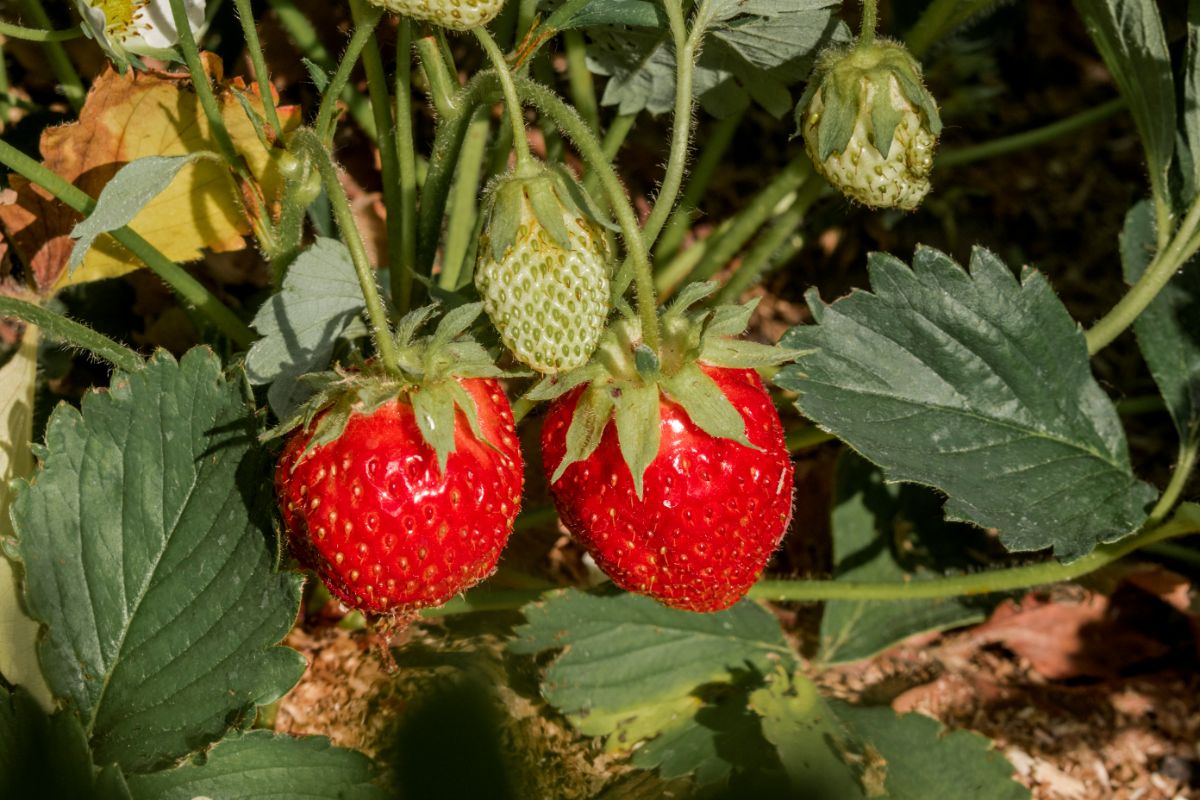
pixel 637 415
pixel 889 532
pixel 144 539
pixel 134 185
pixel 1129 35
pixel 1167 331
pixel 300 324
pixel 981 387
pixel 18 633
pixel 753 51
pixel 631 669
pixel 261 766
pixel 43 755
pixel 833 749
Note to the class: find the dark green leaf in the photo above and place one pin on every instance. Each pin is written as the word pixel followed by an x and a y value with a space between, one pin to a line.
pixel 981 387
pixel 832 749
pixel 300 324
pixel 632 668
pixel 1129 35
pixel 1190 116
pixel 889 532
pixel 145 549
pixel 44 755
pixel 126 194
pixel 639 429
pixel 261 766
pixel 1168 331
pixel 638 13
pixel 753 49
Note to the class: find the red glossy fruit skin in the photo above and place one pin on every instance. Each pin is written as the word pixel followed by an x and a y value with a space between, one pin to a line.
pixel 712 510
pixel 383 527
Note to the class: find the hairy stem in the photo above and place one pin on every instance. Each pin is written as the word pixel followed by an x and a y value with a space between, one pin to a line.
pixel 189 289
pixel 464 206
pixel 203 85
pixel 406 152
pixel 63 329
pixel 512 103
pixel 442 85
pixel 583 87
pixel 870 21
pixel 381 331
pixel 262 76
pixel 12 31
pixel 1182 247
pixel 1179 478
pixel 326 114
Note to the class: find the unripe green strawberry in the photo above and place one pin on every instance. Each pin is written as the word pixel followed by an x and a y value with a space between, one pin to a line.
pixel 543 270
pixel 458 15
pixel 870 126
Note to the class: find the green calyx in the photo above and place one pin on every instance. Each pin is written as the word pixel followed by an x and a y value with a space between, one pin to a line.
pixel 626 381
pixel 879 82
pixel 550 192
pixel 430 368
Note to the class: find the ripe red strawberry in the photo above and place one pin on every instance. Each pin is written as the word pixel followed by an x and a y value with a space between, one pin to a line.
pixel 711 512
pixel 382 525
pixel 401 492
pixel 673 471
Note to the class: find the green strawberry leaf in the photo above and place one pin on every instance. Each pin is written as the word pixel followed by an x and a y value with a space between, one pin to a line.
pixel 633 669
pixel 18 380
pixel 301 323
pixel 753 51
pixel 46 755
pixel 980 386
pixel 890 532
pixel 834 749
pixel 706 405
pixel 1129 35
pixel 1166 330
pixel 125 195
pixel 259 764
pixel 144 540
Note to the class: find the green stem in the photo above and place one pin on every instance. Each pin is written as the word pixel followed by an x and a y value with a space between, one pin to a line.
pixel 380 329
pixel 1147 404
pixel 464 201
pixel 12 31
pixel 512 103
pixel 60 64
pixel 716 145
pixel 389 159
pixel 1032 138
pixel 572 125
pixel 1181 248
pixel 326 114
pixel 203 85
pixel 406 152
pixel 1176 552
pixel 614 137
pixel 685 62
pixel 442 85
pixel 763 255
pixel 175 276
pixel 62 329
pixel 870 21
pixel 720 252
pixel 583 87
pixel 245 15
pixel 1179 478
pixel 302 33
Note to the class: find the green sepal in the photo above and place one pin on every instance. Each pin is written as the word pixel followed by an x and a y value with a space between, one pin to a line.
pixel 918 95
pixel 410 323
pixel 455 323
pixel 433 407
pixel 744 354
pixel 462 399
pixel 730 320
pixel 639 428
pixel 504 207
pixel 592 413
pixel 572 193
pixel 548 210
pixel 554 386
pixel 885 117
pixel 840 98
pixel 706 405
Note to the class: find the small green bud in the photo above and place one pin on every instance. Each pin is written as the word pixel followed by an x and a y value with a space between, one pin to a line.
pixel 870 126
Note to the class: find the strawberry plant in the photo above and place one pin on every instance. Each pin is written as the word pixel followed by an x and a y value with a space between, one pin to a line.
pixel 424 356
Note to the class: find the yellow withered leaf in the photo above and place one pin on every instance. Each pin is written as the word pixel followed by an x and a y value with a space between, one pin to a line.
pixel 131 116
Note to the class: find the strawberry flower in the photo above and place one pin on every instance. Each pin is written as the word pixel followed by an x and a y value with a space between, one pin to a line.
pixel 130 28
